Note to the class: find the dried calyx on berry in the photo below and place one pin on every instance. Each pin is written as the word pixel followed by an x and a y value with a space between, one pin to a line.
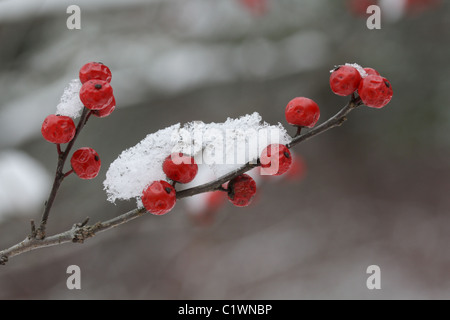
pixel 241 190
pixel 159 197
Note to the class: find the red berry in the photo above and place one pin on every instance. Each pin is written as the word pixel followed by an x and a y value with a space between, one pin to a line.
pixel 106 111
pixel 371 72
pixel 180 168
pixel 344 80
pixel 275 160
pixel 241 190
pixel 159 197
pixel 95 71
pixel 375 91
pixel 86 163
pixel 96 94
pixel 302 112
pixel 58 129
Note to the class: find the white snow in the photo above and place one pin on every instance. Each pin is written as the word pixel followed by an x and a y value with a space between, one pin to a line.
pixel 221 146
pixel 70 104
pixel 136 167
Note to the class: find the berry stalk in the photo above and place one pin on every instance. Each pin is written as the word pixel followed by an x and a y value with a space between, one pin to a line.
pixel 59 176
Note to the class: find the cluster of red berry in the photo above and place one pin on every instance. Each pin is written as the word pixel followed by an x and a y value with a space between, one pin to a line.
pixel 160 196
pixel 97 95
pixel 374 90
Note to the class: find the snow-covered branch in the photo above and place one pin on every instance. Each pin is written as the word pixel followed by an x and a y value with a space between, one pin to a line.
pixel 82 231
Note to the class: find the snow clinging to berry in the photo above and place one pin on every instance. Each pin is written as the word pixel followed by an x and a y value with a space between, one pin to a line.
pixel 70 104
pixel 360 69
pixel 222 147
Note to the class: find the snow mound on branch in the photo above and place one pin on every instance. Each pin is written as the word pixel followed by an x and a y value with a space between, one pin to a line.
pixel 137 166
pixel 221 146
pixel 70 104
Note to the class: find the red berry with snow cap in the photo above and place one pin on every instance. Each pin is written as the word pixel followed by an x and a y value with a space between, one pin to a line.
pixel 275 160
pixel 344 80
pixel 159 197
pixel 375 91
pixel 86 163
pixel 58 129
pixel 241 190
pixel 180 168
pixel 95 71
pixel 96 94
pixel 302 112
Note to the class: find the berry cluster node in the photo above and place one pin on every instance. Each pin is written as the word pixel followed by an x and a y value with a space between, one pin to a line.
pixel 97 95
pixel 374 90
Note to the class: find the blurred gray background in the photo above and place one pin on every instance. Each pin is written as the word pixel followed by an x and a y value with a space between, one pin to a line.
pixel 375 192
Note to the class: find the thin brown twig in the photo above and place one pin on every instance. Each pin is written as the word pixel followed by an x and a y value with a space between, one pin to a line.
pixel 81 231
